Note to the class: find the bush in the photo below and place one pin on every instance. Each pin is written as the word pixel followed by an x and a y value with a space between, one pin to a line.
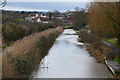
pixel 45 43
pixel 97 47
pixel 11 32
pixel 89 38
pixel 24 63
pixel 24 66
pixel 79 20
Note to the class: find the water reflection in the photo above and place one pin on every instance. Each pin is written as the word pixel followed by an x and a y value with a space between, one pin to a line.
pixel 68 58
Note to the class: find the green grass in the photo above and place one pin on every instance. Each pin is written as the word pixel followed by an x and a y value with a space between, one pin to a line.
pixel 3 47
pixel 7 45
pixel 117 60
pixel 111 41
pixel 21 19
pixel 67 27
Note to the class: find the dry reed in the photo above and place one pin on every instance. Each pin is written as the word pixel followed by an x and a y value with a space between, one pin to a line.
pixel 22 48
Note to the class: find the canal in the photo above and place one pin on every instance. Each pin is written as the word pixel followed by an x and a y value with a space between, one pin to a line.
pixel 68 58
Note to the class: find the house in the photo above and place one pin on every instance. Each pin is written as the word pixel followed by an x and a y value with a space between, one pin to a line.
pixel 30 19
pixel 39 18
pixel 60 16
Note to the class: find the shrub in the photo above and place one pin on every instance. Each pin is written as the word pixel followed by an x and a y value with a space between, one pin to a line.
pixel 24 66
pixel 11 32
pixel 27 53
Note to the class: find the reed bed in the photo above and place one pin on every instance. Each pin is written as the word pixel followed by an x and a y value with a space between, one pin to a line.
pixel 22 58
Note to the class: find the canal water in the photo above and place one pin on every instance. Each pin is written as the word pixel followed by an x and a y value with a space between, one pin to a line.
pixel 68 58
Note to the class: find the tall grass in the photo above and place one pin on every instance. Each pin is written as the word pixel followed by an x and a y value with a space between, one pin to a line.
pixel 22 58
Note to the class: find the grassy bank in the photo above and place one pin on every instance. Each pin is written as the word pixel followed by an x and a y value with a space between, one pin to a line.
pixel 97 48
pixel 113 41
pixel 25 55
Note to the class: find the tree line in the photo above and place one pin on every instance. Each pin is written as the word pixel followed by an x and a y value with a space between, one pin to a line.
pixel 103 19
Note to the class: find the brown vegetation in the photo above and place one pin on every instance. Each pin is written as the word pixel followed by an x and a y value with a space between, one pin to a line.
pixel 97 48
pixel 79 19
pixel 104 19
pixel 25 55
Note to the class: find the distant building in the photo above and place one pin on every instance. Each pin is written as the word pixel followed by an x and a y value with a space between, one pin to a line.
pixel 29 19
pixel 61 16
pixel 40 18
pixel 44 17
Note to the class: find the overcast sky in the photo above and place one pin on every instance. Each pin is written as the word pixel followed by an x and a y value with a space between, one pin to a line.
pixel 44 6
pixel 47 5
pixel 48 0
pixel 62 0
